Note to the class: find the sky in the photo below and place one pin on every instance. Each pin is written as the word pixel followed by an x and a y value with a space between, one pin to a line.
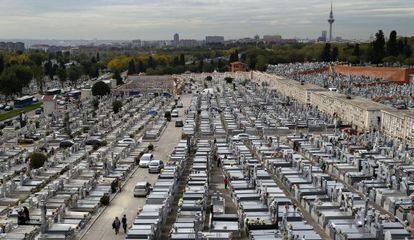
pixel 194 19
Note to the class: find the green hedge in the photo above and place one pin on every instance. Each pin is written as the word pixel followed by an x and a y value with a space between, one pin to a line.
pixel 16 112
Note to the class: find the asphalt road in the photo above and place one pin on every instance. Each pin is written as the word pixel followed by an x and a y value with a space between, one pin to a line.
pixel 125 202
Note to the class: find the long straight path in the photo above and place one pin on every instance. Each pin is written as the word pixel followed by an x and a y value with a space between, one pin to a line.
pixel 125 202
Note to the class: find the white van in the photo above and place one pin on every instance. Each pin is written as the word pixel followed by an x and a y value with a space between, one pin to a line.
pixel 145 160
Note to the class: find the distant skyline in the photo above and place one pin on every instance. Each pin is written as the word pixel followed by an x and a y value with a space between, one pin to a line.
pixel 194 19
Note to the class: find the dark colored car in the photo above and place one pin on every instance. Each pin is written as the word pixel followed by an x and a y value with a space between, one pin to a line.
pixel 66 144
pixel 179 123
pixel 34 137
pixel 94 142
pixel 39 111
pixel 8 122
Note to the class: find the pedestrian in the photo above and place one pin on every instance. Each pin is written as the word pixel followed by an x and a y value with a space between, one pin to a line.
pixel 218 162
pixel 124 223
pixel 116 224
pixel 119 185
pixel 226 182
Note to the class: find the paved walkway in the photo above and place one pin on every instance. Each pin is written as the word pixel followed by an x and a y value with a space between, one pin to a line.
pixel 125 202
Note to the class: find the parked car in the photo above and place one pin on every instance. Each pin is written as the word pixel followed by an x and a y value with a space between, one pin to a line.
pixel 2 106
pixel 241 137
pixel 94 142
pixel 155 166
pixel 25 141
pixel 179 123
pixel 39 111
pixel 179 104
pixel 145 160
pixel 174 113
pixel 31 136
pixel 127 141
pixel 8 108
pixel 142 189
pixel 66 144
pixel 8 122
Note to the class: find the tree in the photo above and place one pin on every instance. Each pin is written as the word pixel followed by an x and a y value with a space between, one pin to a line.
pixel 243 57
pixel 37 160
pixel 131 67
pixel 357 51
pixel 1 63
pixel 167 116
pixel 8 86
pixel 209 78
pixel 38 74
pixel 234 56
pixel 326 53
pixel 252 61
pixel 140 67
pixel 182 60
pixel 74 73
pixel 14 79
pixel 62 75
pixel 100 89
pixel 201 65
pixel 392 45
pixel 261 64
pixel 37 58
pixel 378 47
pixel 116 106
pixel 118 78
pixel 407 49
pixel 151 63
pixel 334 54
pixel 105 199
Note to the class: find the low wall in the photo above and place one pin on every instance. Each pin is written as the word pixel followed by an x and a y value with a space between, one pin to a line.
pixel 397 75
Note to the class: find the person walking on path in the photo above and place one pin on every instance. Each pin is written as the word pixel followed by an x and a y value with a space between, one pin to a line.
pixel 218 162
pixel 226 182
pixel 124 223
pixel 119 185
pixel 116 224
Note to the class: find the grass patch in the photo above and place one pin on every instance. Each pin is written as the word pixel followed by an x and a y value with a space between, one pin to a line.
pixel 16 112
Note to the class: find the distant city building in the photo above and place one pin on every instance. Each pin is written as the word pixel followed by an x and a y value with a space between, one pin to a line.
pixel 188 43
pixel 176 41
pixel 214 39
pixel 331 20
pixel 12 46
pixel 272 38
pixel 323 37
pixel 136 43
pixel 245 40
pixel 339 39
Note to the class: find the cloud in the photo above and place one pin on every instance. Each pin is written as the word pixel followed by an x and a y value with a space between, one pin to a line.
pixel 159 19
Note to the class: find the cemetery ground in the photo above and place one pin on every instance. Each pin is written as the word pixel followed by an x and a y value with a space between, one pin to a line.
pixel 125 202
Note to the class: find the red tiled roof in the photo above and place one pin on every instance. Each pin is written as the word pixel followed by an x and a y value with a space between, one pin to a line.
pixel 48 98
